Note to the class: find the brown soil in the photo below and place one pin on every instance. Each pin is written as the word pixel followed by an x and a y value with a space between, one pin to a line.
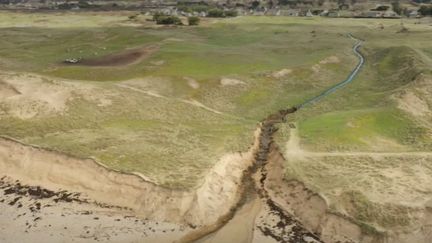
pixel 285 227
pixel 119 59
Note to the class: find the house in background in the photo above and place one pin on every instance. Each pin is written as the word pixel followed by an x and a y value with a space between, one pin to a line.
pixel 372 14
pixel 391 14
pixel 414 14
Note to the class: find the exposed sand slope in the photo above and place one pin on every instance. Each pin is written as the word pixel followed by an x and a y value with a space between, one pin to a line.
pixel 281 73
pixel 293 145
pixel 27 95
pixel 416 100
pixel 55 170
pixel 192 82
pixel 274 222
pixel 7 90
pixel 310 208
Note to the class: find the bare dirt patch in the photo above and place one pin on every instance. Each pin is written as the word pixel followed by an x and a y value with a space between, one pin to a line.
pixel 413 104
pixel 329 60
pixel 30 95
pixel 316 68
pixel 192 82
pixel 158 63
pixel 281 73
pixel 230 82
pixel 118 59
pixel 293 145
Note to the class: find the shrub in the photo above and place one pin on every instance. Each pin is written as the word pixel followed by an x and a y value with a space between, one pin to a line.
pixel 382 8
pixel 168 20
pixel 193 20
pixel 255 4
pixel 132 17
pixel 200 8
pixel 64 6
pixel 161 18
pixel 231 13
pixel 157 15
pixel 425 10
pixel 86 4
pixel 189 8
pixel 216 13
pixel 396 7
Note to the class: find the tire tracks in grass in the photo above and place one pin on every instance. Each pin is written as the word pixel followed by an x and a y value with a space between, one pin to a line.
pixel 191 102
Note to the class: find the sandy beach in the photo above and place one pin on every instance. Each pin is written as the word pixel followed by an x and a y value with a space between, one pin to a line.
pixel 33 214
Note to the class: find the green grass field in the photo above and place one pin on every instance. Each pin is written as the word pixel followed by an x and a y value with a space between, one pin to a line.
pixel 175 143
pixel 365 109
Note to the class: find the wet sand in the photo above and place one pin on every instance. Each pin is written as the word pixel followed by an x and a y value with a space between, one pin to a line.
pixel 240 228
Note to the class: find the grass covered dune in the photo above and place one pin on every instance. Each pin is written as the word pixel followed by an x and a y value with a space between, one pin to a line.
pixel 196 98
pixel 174 113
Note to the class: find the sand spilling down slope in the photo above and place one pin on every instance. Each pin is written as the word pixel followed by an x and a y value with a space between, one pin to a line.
pixel 7 90
pixel 416 100
pixel 26 95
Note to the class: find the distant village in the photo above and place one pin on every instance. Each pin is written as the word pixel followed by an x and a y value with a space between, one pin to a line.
pixel 203 9
pixel 305 13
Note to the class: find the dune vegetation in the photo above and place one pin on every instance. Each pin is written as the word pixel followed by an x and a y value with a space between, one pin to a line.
pixel 201 91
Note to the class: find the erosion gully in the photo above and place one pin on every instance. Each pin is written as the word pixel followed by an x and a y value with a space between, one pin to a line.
pixel 284 227
pixel 288 229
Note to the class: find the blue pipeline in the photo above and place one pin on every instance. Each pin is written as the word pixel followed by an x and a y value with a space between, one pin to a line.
pixel 339 85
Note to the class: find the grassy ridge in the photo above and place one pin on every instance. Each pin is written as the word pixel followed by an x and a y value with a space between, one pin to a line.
pixel 378 193
pixel 364 110
pixel 173 149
